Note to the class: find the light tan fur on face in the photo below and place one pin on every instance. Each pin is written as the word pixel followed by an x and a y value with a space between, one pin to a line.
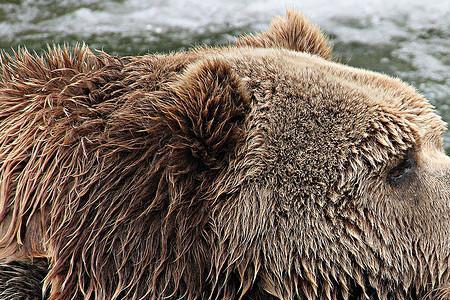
pixel 256 171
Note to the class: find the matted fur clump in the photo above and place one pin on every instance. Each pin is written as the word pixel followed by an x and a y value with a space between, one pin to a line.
pixel 261 170
pixel 22 280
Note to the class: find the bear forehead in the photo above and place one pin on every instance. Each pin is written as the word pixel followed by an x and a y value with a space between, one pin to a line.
pixel 321 118
pixel 331 90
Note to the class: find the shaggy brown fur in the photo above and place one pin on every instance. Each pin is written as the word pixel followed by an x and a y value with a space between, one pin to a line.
pixel 222 173
pixel 22 280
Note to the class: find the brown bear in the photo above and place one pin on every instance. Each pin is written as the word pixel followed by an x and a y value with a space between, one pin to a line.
pixel 261 170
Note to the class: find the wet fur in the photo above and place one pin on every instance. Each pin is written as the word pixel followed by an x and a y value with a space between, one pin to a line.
pixel 173 176
pixel 22 280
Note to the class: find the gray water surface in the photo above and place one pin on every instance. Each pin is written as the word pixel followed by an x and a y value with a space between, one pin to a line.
pixel 409 39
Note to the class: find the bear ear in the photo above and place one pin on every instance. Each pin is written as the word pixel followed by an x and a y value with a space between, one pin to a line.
pixel 210 103
pixel 292 32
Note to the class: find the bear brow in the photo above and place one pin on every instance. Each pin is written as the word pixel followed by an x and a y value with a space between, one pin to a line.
pixel 433 138
pixel 432 130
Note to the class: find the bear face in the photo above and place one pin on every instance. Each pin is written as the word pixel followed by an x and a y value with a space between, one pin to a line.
pixel 357 210
pixel 256 171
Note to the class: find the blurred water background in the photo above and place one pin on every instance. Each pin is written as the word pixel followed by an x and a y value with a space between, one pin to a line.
pixel 409 39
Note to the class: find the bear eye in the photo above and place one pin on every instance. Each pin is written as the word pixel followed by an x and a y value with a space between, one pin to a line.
pixel 401 171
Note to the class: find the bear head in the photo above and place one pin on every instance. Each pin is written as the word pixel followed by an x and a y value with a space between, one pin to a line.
pixel 255 171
